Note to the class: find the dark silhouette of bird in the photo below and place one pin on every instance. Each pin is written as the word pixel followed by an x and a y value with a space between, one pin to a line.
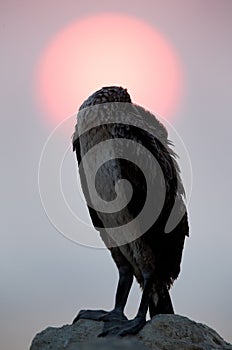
pixel 130 144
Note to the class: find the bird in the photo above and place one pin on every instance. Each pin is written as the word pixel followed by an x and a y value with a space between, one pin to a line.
pixel 128 144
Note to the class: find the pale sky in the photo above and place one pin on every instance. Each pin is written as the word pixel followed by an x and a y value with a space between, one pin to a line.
pixel 46 278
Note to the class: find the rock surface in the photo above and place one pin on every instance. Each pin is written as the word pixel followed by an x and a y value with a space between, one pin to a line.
pixel 163 332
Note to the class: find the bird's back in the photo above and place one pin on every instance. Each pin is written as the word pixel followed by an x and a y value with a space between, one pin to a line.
pixel 117 141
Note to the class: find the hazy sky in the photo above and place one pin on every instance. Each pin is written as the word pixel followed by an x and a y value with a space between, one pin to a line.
pixel 46 278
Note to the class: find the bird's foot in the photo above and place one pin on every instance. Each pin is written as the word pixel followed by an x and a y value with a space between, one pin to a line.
pixel 124 328
pixel 114 316
pixel 100 315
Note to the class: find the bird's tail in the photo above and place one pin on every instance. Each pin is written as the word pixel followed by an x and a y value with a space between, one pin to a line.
pixel 160 302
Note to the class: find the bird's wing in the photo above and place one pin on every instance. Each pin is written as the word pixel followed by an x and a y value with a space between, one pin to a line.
pixel 141 154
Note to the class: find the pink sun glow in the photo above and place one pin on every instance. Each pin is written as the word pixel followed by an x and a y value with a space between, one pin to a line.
pixel 105 50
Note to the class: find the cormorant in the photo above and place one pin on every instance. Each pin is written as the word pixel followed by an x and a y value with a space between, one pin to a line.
pixel 130 143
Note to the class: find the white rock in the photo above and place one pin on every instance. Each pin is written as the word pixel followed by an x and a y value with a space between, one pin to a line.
pixel 163 332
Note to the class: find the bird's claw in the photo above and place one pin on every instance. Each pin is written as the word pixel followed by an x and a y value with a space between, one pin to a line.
pixel 100 315
pixel 124 328
pixel 90 315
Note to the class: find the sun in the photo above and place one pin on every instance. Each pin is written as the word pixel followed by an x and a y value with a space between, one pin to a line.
pixel 103 50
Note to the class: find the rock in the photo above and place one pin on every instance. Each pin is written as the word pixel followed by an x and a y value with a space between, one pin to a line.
pixel 163 332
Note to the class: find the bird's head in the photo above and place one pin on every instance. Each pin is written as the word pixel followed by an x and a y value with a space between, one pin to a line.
pixel 107 94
